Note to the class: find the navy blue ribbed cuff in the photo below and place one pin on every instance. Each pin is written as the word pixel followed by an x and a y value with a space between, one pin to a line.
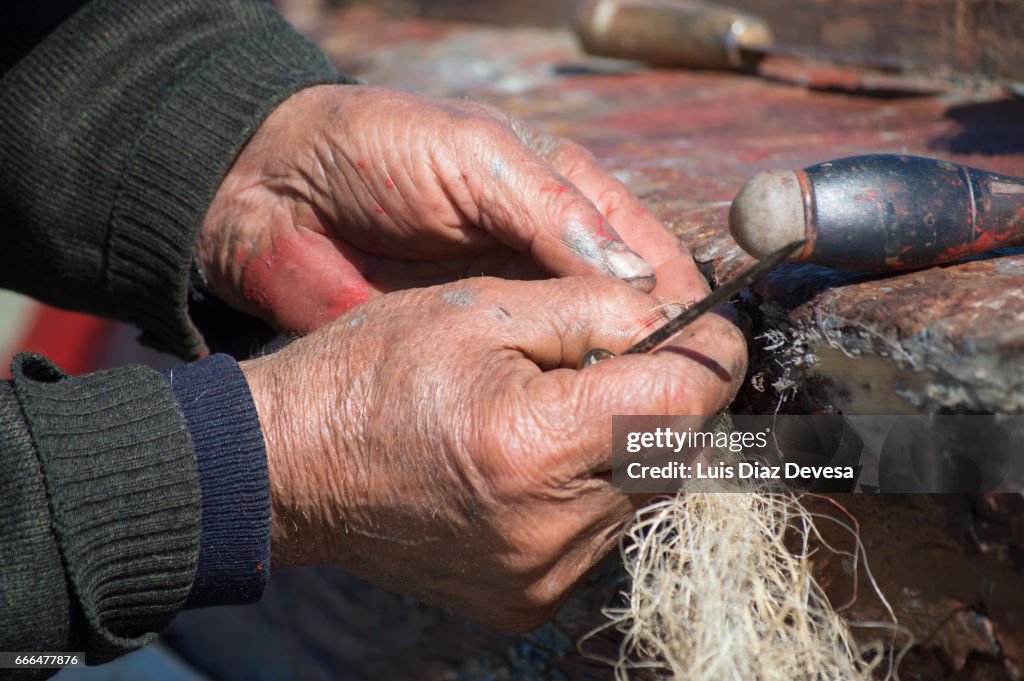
pixel 234 542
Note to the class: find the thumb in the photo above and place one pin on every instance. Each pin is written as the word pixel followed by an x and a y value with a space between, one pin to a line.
pixel 696 373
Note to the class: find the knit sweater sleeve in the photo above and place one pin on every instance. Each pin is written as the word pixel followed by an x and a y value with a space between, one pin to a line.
pixel 100 506
pixel 115 132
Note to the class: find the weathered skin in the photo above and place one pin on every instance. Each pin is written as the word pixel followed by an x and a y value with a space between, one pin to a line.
pixel 435 440
pixel 346 192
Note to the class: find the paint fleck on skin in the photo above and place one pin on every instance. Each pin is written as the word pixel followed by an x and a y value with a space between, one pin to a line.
pixel 380 209
pixel 598 248
pixel 606 231
pixel 499 168
pixel 585 245
pixel 356 321
pixel 389 183
pixel 554 187
pixel 459 297
pixel 361 164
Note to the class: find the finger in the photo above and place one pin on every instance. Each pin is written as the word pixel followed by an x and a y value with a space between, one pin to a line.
pixel 630 218
pixel 518 198
pixel 696 373
pixel 551 323
pixel 680 283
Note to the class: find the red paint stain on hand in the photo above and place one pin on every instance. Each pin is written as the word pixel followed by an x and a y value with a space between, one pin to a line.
pixel 604 230
pixel 553 187
pixel 303 282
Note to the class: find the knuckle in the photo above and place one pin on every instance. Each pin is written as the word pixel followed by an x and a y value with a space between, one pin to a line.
pixel 607 294
pixel 589 290
pixel 482 123
pixel 540 143
pixel 483 110
pixel 588 304
pixel 572 156
pixel 614 194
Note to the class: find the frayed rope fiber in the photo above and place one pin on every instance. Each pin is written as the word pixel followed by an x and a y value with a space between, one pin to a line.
pixel 721 589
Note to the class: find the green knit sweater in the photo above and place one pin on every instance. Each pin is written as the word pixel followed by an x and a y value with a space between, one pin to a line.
pixel 115 132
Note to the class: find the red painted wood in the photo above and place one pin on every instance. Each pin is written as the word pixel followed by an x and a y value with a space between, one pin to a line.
pixel 72 340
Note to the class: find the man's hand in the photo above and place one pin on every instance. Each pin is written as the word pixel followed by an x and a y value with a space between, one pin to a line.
pixel 437 441
pixel 346 192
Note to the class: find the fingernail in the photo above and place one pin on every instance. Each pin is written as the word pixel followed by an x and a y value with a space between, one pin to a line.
pixel 628 266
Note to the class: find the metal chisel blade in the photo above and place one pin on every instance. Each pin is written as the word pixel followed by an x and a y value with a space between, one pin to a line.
pixel 714 299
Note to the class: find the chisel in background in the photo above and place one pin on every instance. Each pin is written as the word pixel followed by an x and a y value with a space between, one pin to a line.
pixel 671 33
pixel 702 35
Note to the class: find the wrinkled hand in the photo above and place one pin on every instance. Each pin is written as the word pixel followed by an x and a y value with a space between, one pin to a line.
pixel 437 441
pixel 346 192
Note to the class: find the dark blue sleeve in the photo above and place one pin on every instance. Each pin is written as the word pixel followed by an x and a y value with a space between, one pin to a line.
pixel 234 543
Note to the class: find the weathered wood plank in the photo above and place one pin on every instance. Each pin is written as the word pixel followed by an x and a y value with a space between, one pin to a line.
pixel 969 37
pixel 965 36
